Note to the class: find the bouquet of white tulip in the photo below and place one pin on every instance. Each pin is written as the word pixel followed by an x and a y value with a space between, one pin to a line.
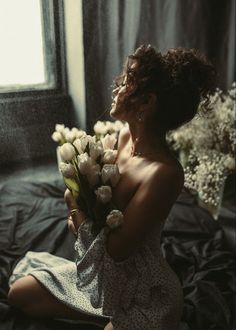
pixel 89 171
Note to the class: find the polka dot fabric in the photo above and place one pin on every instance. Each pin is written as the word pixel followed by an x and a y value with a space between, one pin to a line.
pixel 141 292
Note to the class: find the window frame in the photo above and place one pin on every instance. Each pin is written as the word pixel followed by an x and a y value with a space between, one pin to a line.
pixel 53 30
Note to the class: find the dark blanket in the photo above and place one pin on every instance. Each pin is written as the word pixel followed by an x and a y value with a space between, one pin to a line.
pixel 32 217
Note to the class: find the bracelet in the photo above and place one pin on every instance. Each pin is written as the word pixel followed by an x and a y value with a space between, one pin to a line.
pixel 72 213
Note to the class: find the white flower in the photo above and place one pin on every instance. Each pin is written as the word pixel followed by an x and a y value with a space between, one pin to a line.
pixel 85 139
pixel 78 132
pixel 108 142
pixel 100 128
pixel 60 128
pixel 94 174
pixel 118 125
pixel 77 144
pixel 65 131
pixel 95 149
pixel 67 170
pixel 114 219
pixel 110 172
pixel 84 142
pixel 70 136
pixel 56 136
pixel 109 156
pixel 67 151
pixel 230 163
pixel 85 163
pixel 104 194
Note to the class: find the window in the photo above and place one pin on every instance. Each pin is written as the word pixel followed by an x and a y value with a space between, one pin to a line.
pixel 30 56
pixel 33 93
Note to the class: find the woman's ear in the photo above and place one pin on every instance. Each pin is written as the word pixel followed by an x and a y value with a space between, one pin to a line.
pixel 149 99
pixel 149 102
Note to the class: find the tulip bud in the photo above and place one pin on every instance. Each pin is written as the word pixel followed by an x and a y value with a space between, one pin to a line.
pixel 108 142
pixel 110 172
pixel 104 194
pixel 114 219
pixel 110 156
pixel 67 151
pixel 67 170
pixel 56 136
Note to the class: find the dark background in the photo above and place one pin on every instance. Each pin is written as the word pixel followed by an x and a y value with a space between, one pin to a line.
pixel 113 29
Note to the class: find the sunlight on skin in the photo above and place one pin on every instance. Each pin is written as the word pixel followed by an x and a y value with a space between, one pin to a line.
pixel 109 326
pixel 21 56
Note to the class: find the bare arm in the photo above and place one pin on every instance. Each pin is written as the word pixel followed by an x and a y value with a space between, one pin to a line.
pixel 76 218
pixel 150 204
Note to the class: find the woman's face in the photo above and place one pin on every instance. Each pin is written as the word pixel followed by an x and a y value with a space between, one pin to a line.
pixel 118 110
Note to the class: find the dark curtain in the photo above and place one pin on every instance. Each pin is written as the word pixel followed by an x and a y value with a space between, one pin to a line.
pixel 114 28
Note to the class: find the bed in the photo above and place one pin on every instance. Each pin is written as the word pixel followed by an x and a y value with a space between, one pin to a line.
pixel 199 249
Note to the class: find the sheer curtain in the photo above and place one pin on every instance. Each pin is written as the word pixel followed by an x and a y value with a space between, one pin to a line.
pixel 114 28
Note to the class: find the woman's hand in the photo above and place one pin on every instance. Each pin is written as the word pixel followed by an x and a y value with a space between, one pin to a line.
pixel 76 216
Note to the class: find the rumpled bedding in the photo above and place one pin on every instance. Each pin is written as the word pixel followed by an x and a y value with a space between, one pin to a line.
pixel 199 249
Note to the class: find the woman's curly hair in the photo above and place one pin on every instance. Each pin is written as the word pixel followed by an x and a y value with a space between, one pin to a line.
pixel 181 79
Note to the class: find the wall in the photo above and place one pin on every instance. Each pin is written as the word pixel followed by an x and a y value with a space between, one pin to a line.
pixel 26 127
pixel 75 59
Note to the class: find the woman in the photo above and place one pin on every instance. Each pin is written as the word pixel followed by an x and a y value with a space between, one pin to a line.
pixel 121 274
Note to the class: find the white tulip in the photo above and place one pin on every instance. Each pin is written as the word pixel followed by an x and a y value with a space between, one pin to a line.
pixel 118 125
pixel 109 125
pixel 77 144
pixel 114 219
pixel 70 136
pixel 100 128
pixel 60 128
pixel 56 136
pixel 65 131
pixel 84 163
pixel 110 172
pixel 95 149
pixel 91 139
pixel 80 133
pixel 104 194
pixel 109 141
pixel 84 141
pixel 109 156
pixel 67 151
pixel 67 170
pixel 94 174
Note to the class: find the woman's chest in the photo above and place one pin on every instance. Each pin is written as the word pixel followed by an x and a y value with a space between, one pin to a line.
pixel 125 189
pixel 131 176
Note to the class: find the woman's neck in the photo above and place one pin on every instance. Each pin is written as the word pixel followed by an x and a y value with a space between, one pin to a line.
pixel 146 141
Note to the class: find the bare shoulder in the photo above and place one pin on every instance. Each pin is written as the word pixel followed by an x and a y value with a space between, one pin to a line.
pixel 171 171
pixel 167 177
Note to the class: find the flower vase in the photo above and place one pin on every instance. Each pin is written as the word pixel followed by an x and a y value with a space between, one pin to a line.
pixel 213 209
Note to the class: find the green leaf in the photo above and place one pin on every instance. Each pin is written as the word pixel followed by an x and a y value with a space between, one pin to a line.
pixel 72 184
